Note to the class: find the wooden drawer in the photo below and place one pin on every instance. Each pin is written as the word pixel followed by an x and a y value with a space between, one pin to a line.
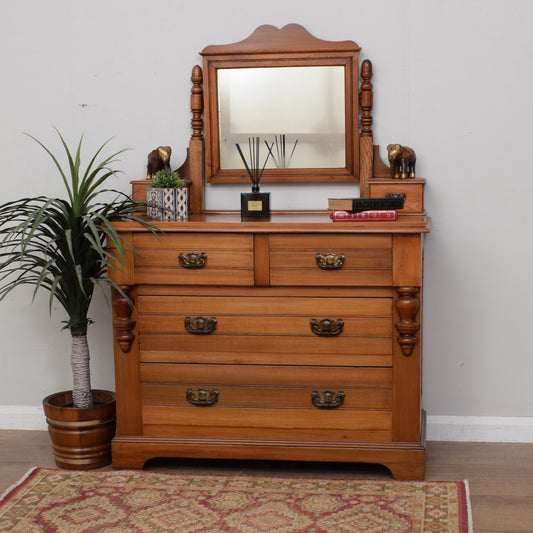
pixel 253 330
pixel 367 260
pixel 229 259
pixel 413 189
pixel 267 396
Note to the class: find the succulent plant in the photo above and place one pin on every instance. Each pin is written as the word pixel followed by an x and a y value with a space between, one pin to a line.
pixel 167 179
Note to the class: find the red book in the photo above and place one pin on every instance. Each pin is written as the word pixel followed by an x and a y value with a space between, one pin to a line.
pixel 368 216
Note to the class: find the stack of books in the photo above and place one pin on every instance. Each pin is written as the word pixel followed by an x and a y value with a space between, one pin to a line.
pixel 367 209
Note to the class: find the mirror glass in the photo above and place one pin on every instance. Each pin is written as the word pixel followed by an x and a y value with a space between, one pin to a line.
pixel 299 111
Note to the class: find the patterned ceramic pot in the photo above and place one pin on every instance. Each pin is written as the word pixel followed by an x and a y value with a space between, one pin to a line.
pixel 182 203
pixel 167 204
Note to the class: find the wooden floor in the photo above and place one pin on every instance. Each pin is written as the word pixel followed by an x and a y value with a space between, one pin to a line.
pixel 500 474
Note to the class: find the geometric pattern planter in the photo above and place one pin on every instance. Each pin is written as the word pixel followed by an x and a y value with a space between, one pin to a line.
pixel 168 204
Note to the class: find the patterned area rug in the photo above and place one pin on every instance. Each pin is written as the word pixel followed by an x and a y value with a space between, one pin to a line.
pixel 48 500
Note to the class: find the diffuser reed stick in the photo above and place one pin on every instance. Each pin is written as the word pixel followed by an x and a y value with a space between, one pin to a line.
pixel 281 151
pixel 252 166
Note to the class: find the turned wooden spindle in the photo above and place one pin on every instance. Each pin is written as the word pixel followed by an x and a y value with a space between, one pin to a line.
pixel 366 143
pixel 194 166
pixel 407 305
pixel 197 103
pixel 123 324
pixel 366 99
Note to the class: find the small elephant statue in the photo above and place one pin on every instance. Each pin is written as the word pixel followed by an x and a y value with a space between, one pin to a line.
pixel 158 159
pixel 402 161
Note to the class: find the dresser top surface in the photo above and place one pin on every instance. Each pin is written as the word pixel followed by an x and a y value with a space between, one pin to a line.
pixel 285 222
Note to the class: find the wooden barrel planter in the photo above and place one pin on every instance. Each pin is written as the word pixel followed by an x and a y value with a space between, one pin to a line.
pixel 81 438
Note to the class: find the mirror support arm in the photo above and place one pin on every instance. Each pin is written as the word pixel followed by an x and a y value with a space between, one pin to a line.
pixel 196 146
pixel 366 147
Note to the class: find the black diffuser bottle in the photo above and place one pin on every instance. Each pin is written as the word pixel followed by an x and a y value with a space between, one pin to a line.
pixel 255 205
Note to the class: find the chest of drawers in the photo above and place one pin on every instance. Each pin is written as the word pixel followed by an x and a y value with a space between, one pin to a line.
pixel 292 339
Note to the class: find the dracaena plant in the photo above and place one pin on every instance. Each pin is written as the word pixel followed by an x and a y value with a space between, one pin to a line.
pixel 66 245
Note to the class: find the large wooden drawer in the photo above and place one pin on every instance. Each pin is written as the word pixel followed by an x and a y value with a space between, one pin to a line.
pixel 281 330
pixel 366 260
pixel 229 259
pixel 259 396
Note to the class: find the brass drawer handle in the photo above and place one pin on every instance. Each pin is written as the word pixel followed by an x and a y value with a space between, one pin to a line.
pixel 396 195
pixel 327 399
pixel 326 327
pixel 202 397
pixel 200 325
pixel 192 260
pixel 329 261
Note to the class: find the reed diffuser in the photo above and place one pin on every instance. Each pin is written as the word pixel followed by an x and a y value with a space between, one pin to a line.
pixel 255 205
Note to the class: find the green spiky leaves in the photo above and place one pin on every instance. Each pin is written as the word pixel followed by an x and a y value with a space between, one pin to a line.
pixel 60 245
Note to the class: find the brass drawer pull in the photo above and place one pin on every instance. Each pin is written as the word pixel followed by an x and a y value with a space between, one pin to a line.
pixel 202 397
pixel 327 399
pixel 397 195
pixel 326 327
pixel 192 260
pixel 200 325
pixel 329 261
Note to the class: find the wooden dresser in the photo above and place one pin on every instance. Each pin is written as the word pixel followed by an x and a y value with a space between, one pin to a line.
pixel 295 339
pixel 291 338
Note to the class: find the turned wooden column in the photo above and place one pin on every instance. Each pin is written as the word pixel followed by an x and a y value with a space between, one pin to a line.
pixel 123 323
pixel 196 145
pixel 407 305
pixel 366 142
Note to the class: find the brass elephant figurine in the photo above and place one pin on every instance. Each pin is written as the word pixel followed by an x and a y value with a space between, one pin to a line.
pixel 158 159
pixel 402 161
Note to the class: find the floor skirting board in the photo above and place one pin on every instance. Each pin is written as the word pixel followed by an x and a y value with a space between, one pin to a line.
pixel 22 417
pixel 439 428
pixel 479 428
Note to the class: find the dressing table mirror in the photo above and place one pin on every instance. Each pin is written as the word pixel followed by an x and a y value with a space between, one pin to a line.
pixel 294 338
pixel 283 83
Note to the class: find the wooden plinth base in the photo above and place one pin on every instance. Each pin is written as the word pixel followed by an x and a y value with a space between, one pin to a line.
pixel 406 461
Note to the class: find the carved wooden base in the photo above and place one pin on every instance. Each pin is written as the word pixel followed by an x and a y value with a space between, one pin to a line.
pixel 406 461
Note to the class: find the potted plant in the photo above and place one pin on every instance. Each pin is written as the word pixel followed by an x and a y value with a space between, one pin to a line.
pixel 65 246
pixel 167 196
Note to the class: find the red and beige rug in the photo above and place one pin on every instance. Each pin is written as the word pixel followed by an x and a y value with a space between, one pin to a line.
pixel 48 500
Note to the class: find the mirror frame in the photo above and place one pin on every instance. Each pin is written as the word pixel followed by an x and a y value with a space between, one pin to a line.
pixel 290 46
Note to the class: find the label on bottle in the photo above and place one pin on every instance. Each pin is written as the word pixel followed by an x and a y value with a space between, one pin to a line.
pixel 255 205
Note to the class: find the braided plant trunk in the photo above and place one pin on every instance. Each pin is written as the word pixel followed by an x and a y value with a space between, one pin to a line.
pixel 81 375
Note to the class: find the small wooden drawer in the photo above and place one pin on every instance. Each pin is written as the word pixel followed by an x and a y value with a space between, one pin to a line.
pixel 413 189
pixel 317 330
pixel 263 396
pixel 331 260
pixel 194 259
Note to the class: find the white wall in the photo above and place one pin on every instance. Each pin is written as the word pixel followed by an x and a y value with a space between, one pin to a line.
pixel 453 79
